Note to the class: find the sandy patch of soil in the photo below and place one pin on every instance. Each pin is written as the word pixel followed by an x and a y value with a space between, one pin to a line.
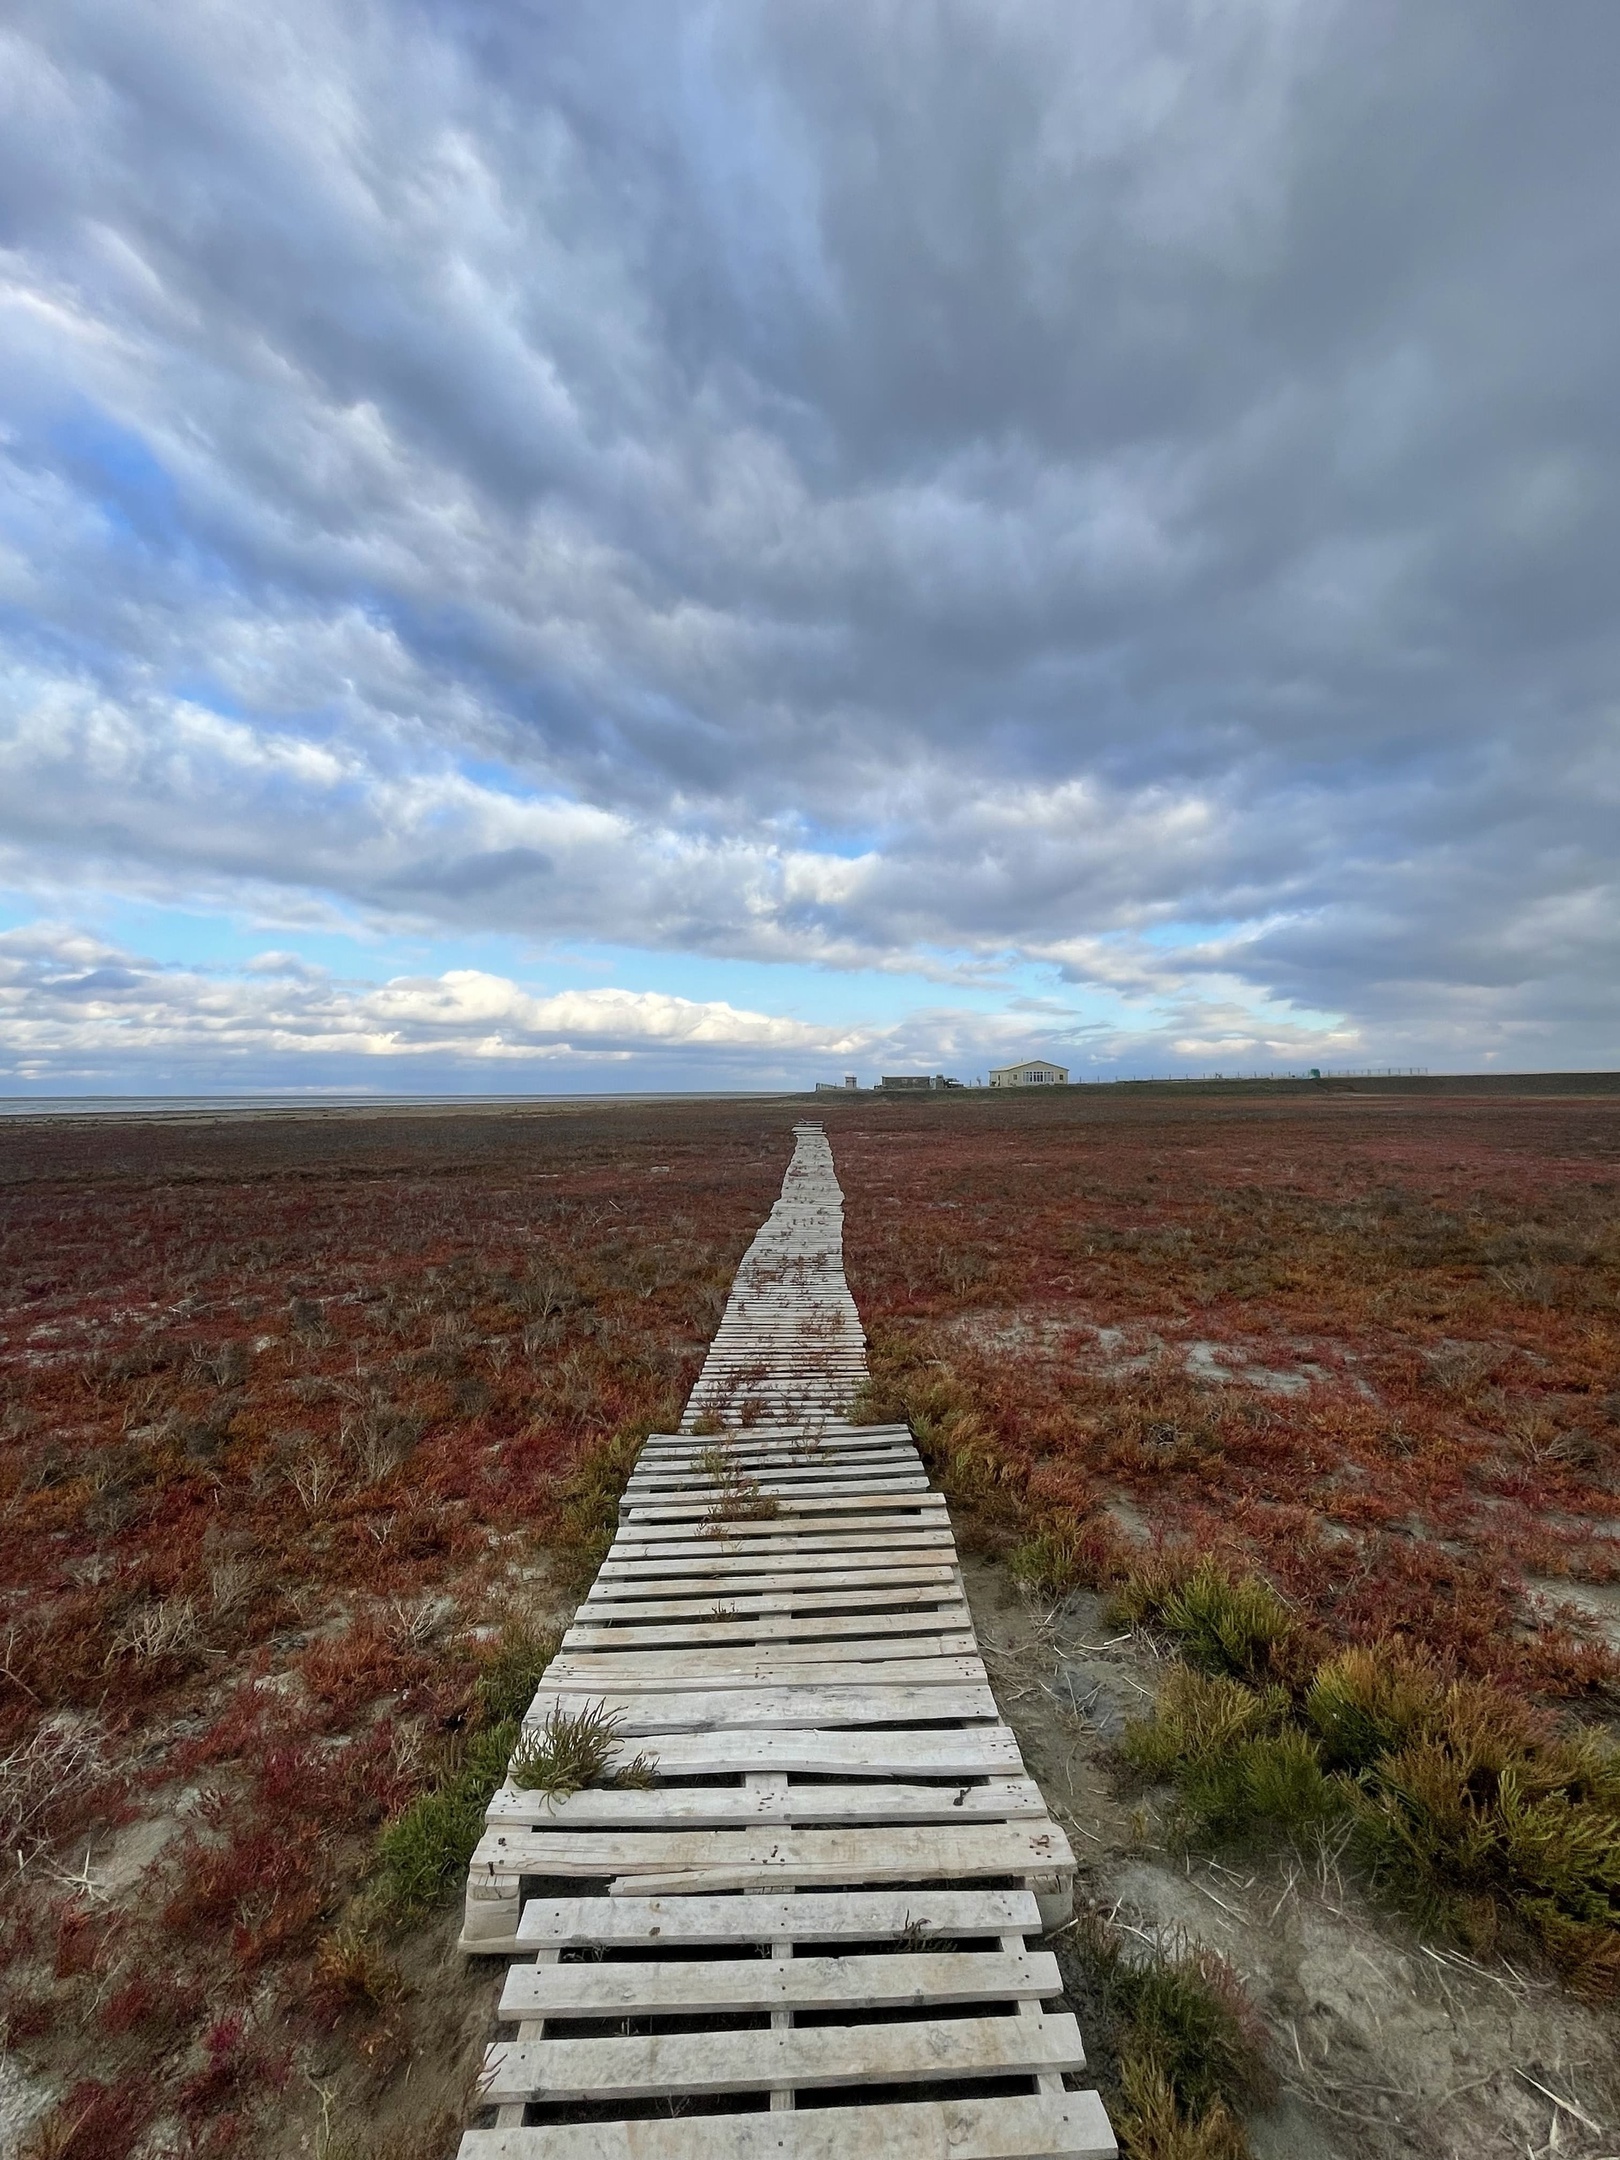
pixel 1388 2047
pixel 1273 1364
pixel 1597 1603
pixel 23 2099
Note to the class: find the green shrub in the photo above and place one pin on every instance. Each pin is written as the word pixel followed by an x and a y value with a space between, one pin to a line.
pixel 1065 1553
pixel 590 1499
pixel 424 1852
pixel 512 1670
pixel 1482 1813
pixel 1218 1624
pixel 1202 1718
pixel 1365 1702
pixel 1181 2049
pixel 1152 2127
pixel 1233 1754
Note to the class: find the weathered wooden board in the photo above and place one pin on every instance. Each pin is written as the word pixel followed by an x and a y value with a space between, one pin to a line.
pixel 731 1750
pixel 919 1587
pixel 1066 2126
pixel 719 1807
pixel 922 2049
pixel 630 1664
pixel 704 1710
pixel 893 1852
pixel 653 1672
pixel 657 1631
pixel 809 1917
pixel 888 1500
pixel 712 1561
pixel 727 1987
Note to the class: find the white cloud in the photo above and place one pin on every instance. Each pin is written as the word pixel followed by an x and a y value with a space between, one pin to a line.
pixel 70 1001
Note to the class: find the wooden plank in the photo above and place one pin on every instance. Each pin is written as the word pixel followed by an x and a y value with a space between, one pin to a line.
pixel 1070 2126
pixel 921 1588
pixel 882 1502
pixel 888 1499
pixel 848 1436
pixel 731 1584
pixel 798 1460
pixel 717 1807
pixel 807 1917
pixel 713 1562
pixel 789 1470
pixel 730 1986
pixel 781 1485
pixel 896 1853
pixel 613 1663
pixel 949 1621
pixel 698 1535
pixel 652 1672
pixel 924 2050
pixel 735 1750
pixel 693 1457
pixel 796 1548
pixel 828 1443
pixel 672 1501
pixel 675 1711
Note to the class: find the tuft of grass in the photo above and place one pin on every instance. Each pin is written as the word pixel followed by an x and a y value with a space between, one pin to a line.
pixel 353 1975
pixel 738 1498
pixel 741 1501
pixel 572 1750
pixel 1179 2049
pixel 511 1672
pixel 1366 1703
pixel 1153 2127
pixel 1065 1553
pixel 1233 1754
pixel 590 1498
pixel 1218 1623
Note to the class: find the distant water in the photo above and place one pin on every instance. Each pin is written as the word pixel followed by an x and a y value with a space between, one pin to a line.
pixel 149 1106
pixel 22 1106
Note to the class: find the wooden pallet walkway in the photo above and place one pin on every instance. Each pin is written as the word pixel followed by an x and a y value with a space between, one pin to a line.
pixel 802 1934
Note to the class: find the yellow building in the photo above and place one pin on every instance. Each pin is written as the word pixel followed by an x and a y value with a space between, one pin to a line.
pixel 1034 1072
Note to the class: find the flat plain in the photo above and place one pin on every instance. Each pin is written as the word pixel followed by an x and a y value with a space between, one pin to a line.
pixel 312 1427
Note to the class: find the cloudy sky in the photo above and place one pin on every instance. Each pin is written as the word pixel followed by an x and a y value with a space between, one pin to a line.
pixel 559 547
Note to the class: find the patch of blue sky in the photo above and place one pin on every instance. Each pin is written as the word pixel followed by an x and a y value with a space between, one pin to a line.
pixel 209 939
pixel 1183 932
pixel 134 490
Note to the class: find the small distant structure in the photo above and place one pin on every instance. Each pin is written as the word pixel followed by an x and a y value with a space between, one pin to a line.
pixel 1034 1072
pixel 915 1083
pixel 831 1087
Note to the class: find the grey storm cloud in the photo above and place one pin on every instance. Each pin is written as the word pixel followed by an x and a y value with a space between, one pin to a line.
pixel 1127 488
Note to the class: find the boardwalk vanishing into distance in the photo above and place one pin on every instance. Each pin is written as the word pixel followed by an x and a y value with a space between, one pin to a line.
pixel 791 1919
